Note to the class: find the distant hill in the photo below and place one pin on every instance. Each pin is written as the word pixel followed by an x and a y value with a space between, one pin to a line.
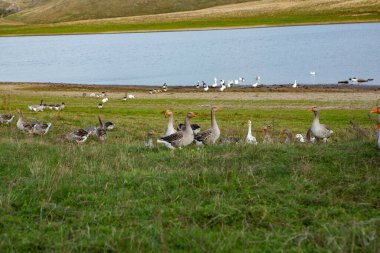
pixel 53 11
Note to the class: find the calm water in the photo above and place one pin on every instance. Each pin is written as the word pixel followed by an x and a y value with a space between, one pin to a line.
pixel 278 55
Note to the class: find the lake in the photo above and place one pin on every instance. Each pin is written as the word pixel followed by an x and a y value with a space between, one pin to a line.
pixel 279 55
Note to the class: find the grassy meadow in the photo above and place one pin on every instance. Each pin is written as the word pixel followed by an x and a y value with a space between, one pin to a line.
pixel 119 196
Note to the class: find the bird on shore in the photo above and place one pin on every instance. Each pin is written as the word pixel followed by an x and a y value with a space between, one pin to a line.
pixel 250 139
pixel 170 128
pixel 236 83
pixel 6 118
pixel 59 107
pixel 164 87
pixel 377 110
pixel 211 135
pixel 294 84
pixel 104 100
pixel 215 84
pixel 255 85
pixel 230 84
pixel 101 132
pixel 223 86
pixel 181 138
pixel 100 105
pixel 198 85
pixel 205 86
pixel 318 130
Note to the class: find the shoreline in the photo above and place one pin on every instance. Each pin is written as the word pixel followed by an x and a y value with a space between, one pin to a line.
pixel 186 29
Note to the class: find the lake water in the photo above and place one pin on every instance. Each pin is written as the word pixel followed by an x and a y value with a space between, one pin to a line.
pixel 278 55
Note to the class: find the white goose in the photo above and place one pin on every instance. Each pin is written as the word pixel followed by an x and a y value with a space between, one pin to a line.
pixel 377 110
pixel 37 108
pixel 318 130
pixel 6 118
pixel 180 138
pixel 211 135
pixel 104 100
pixel 222 87
pixel 294 84
pixel 100 105
pixel 230 84
pixel 170 129
pixel 255 85
pixel 215 84
pixel 205 86
pixel 250 139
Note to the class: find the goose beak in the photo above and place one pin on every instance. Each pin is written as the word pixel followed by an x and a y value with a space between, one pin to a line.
pixel 193 115
pixel 375 110
pixel 166 113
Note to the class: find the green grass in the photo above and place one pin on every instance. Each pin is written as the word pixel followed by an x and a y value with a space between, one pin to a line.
pixel 119 196
pixel 277 19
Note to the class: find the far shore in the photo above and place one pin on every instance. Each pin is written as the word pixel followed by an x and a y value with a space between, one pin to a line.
pixel 180 29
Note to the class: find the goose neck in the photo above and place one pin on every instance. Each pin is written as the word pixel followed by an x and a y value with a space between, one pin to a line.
pixel 213 119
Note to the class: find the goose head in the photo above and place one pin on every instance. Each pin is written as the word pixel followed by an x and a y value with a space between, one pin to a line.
pixel 313 109
pixel 376 110
pixel 168 113
pixel 214 108
pixel 191 115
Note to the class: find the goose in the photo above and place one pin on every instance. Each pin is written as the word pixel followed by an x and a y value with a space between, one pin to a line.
pixel 101 132
pixel 255 85
pixel 318 130
pixel 300 138
pixel 242 79
pixel 23 126
pixel 37 108
pixel 100 105
pixel 149 142
pixel 165 87
pixel 343 82
pixel 288 135
pixel 250 139
pixel 222 87
pixel 294 84
pixel 258 78
pixel 125 98
pixel 104 100
pixel 6 118
pixel 198 85
pixel 41 128
pixel 130 96
pixel 377 110
pixel 309 136
pixel 109 126
pixel 230 84
pixel 170 129
pixel 196 128
pixel 180 138
pixel 236 82
pixel 215 84
pixel 59 107
pixel 205 86
pixel 211 135
pixel 267 139
pixel 79 136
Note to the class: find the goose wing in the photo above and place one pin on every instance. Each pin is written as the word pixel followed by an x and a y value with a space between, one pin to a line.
pixel 202 137
pixel 173 138
pixel 6 116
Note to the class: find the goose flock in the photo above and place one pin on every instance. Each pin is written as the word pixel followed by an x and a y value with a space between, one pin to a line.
pixel 186 133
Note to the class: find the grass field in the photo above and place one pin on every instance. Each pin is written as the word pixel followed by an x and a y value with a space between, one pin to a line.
pixel 119 196
pixel 250 14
